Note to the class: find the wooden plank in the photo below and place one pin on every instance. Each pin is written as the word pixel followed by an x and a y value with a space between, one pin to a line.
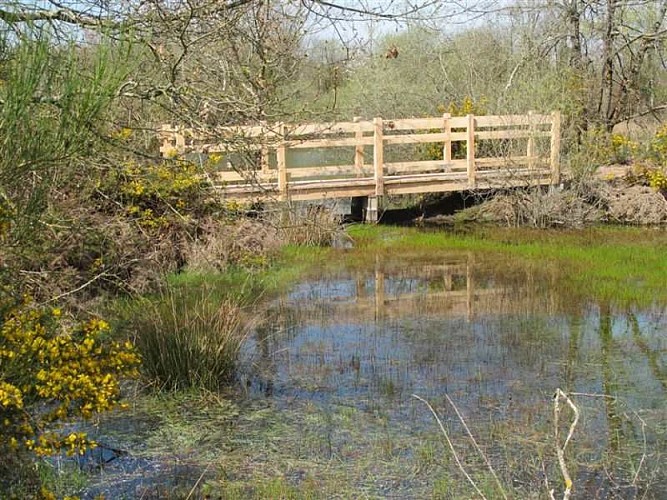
pixel 425 178
pixel 359 149
pixel 530 148
pixel 167 133
pixel 447 147
pixel 309 192
pixel 264 160
pixel 510 134
pixel 430 188
pixel 422 138
pixel 350 170
pixel 281 158
pixel 330 143
pixel 555 148
pixel 332 183
pixel 503 172
pixel 470 150
pixel 414 166
pixel 378 156
pixel 345 192
pixel 422 123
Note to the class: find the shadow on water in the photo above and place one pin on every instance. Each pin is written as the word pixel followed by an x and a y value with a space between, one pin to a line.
pixel 330 375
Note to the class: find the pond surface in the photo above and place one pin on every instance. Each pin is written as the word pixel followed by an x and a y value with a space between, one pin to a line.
pixel 328 409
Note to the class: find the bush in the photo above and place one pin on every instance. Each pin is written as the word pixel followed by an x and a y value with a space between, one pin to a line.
pixel 53 371
pixel 160 195
pixel 246 243
pixel 188 338
pixel 312 226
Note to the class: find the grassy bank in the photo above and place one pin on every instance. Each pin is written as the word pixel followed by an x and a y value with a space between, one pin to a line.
pixel 624 266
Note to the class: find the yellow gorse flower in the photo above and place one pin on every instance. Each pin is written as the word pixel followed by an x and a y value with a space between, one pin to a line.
pixel 70 368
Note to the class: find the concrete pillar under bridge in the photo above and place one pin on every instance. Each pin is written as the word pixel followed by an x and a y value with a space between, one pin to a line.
pixel 366 208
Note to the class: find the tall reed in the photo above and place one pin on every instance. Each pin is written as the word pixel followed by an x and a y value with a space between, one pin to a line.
pixel 188 337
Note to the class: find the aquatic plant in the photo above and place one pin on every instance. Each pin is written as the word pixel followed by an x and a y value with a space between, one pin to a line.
pixel 188 337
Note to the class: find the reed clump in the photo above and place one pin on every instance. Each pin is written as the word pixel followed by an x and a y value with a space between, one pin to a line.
pixel 189 338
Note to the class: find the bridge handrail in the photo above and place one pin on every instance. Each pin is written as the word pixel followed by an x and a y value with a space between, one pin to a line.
pixel 278 138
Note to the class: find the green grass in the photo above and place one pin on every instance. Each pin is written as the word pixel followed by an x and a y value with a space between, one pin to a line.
pixel 618 265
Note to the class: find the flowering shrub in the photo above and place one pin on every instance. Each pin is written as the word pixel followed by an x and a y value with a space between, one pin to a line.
pixel 659 146
pixel 654 171
pixel 433 151
pixel 657 178
pixel 52 371
pixel 623 150
pixel 156 195
pixel 602 148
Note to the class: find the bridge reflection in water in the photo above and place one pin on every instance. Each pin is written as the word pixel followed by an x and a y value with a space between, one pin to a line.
pixel 457 287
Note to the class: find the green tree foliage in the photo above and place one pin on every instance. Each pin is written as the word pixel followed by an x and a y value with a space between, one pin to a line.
pixel 53 104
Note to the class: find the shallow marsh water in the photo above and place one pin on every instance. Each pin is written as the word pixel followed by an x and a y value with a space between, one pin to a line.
pixel 327 407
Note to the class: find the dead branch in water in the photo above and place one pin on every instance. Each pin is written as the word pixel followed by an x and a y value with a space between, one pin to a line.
pixel 560 450
pixel 479 450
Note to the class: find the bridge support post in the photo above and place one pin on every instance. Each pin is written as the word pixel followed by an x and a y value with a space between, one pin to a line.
pixel 371 209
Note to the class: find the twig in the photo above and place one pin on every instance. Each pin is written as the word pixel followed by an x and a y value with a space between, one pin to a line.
pixel 560 451
pixel 479 450
pixel 451 446
pixel 78 289
pixel 546 483
pixel 197 483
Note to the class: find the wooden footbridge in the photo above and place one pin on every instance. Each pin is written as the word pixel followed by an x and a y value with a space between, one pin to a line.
pixel 375 158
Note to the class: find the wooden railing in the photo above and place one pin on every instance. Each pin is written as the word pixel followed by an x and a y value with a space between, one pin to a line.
pixel 476 152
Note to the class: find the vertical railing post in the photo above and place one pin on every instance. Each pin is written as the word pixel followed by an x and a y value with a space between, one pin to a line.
pixel 378 156
pixel 530 149
pixel 470 152
pixel 281 159
pixel 264 151
pixel 447 148
pixel 167 134
pixel 470 290
pixel 379 290
pixel 359 148
pixel 555 147
pixel 180 142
